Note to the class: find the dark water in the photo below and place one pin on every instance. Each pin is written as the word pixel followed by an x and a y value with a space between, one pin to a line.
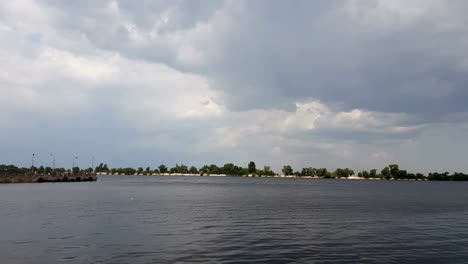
pixel 234 220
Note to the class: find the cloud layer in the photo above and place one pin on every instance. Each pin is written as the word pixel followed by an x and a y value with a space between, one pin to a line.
pixel 325 83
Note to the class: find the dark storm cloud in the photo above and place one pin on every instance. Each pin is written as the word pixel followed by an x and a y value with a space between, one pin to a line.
pixel 274 53
pixel 315 50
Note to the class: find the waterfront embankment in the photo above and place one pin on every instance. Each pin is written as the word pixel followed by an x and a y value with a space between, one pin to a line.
pixel 50 177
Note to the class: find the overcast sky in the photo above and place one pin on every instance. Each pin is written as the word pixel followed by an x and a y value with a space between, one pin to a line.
pixel 346 83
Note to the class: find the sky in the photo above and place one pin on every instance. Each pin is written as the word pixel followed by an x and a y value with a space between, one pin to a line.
pixel 347 83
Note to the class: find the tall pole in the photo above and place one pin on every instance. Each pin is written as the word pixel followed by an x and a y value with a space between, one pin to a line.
pixel 32 163
pixel 92 163
pixel 53 161
pixel 74 162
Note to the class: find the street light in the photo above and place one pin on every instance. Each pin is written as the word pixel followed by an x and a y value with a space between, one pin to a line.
pixel 74 162
pixel 32 163
pixel 53 160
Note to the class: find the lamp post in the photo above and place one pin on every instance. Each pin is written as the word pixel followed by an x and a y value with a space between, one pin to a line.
pixel 53 160
pixel 92 163
pixel 74 162
pixel 32 163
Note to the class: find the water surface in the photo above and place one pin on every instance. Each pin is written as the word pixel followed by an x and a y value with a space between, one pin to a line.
pixel 234 220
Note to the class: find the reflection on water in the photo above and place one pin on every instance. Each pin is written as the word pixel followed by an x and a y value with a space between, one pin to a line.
pixel 233 220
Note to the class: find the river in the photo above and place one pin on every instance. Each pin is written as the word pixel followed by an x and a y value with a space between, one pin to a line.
pixel 150 219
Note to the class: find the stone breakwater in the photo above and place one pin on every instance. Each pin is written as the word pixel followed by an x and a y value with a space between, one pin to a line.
pixel 39 178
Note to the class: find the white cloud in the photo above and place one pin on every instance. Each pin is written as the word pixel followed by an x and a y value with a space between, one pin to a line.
pixel 381 155
pixel 298 135
pixel 156 91
pixel 393 14
pixel 276 150
pixel 29 84
pixel 316 116
pixel 80 68
pixel 24 16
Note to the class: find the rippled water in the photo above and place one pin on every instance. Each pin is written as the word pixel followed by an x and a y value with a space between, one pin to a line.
pixel 234 220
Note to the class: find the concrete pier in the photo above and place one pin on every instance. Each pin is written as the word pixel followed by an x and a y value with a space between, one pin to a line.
pixel 40 178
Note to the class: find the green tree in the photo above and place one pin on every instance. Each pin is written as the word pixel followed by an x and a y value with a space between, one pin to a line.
pixel 340 173
pixel 457 176
pixel 129 171
pixel 47 170
pixel 386 173
pixel 308 172
pixel 183 169
pixel 76 170
pixel 148 170
pixel 403 174
pixel 252 167
pixel 229 169
pixel 60 170
pixel 162 168
pixel 213 169
pixel 193 170
pixel 267 171
pixel 394 171
pixel 348 172
pixel 205 170
pixel 287 170
pixel 420 176
pixel 102 168
pixel 99 168
pixel 364 174
pixel 321 172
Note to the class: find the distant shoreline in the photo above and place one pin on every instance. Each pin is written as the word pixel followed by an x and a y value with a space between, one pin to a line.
pixel 242 176
pixel 391 172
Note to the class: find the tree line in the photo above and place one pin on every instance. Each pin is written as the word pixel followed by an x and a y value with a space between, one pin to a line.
pixel 391 172
pixel 227 169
